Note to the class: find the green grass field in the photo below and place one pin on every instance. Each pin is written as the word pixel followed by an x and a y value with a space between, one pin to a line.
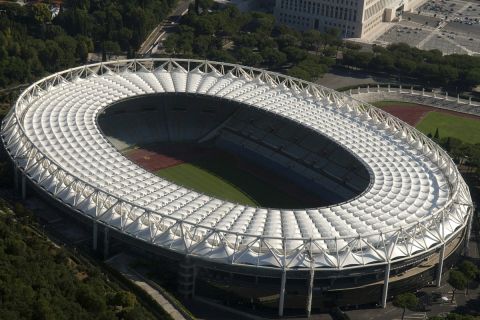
pixel 199 179
pixel 449 125
pixel 465 129
pixel 386 103
pixel 223 178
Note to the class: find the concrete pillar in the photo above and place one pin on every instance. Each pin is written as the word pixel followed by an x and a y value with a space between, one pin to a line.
pixel 423 92
pixel 350 92
pixel 441 256
pixel 434 95
pixel 282 292
pixel 24 187
pixel 186 278
pixel 388 88
pixel 368 88
pixel 95 236
pixel 411 89
pixel 310 291
pixel 469 100
pixel 106 240
pixel 15 179
pixel 378 88
pixel 446 95
pixel 385 285
pixel 458 98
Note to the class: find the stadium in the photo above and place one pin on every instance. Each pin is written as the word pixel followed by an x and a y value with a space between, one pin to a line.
pixel 361 206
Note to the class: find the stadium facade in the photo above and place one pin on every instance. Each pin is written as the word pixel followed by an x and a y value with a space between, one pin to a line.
pixel 400 209
pixel 354 18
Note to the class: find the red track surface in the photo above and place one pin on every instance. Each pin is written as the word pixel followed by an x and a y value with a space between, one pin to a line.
pixel 415 113
pixel 157 157
pixel 154 158
pixel 150 160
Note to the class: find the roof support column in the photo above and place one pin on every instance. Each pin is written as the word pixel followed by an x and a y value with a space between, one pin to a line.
pixel 441 256
pixel 95 235
pixel 385 285
pixel 310 290
pixel 282 292
pixel 469 228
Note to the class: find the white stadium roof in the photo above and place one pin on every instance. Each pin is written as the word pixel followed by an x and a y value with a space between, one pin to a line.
pixel 416 199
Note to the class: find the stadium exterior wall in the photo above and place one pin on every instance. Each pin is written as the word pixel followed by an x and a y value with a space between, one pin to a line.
pixel 341 288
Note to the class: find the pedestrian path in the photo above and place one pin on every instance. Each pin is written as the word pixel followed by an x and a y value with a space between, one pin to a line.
pixel 121 263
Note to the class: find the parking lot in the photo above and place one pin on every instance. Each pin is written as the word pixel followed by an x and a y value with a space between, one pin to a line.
pixel 451 26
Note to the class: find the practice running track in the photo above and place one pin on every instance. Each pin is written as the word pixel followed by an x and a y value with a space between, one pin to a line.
pixel 414 113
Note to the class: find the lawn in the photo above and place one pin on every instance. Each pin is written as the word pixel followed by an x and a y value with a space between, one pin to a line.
pixel 196 178
pixel 224 177
pixel 465 129
pixel 427 120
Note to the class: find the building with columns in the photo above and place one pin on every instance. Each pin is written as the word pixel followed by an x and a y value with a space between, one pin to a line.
pixel 354 18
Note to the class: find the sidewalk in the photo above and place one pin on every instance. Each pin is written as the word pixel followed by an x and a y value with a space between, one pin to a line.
pixel 120 262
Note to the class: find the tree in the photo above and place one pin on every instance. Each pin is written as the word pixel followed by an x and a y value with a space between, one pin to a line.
pixel 202 5
pixel 383 62
pixel 221 55
pixel 112 48
pixel 436 136
pixel 406 301
pixel 406 66
pixel 295 54
pixel 261 23
pixel 457 280
pixel 469 270
pixel 448 74
pixel 124 299
pixel 249 57
pixel 298 72
pixel 472 77
pixel 357 59
pixel 286 40
pixel 40 13
pixel 273 57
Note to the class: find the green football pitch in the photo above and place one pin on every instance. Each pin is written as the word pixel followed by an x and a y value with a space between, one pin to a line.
pixel 225 178
pixel 465 129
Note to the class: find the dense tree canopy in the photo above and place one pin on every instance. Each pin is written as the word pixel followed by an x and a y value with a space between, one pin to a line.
pixel 33 44
pixel 428 66
pixel 457 280
pixel 41 281
pixel 253 39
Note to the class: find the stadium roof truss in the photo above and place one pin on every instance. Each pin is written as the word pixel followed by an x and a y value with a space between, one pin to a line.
pixel 24 133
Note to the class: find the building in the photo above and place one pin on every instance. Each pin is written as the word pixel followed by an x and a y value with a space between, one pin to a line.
pixel 354 18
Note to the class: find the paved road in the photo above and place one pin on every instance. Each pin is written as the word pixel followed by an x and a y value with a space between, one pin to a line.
pixel 339 78
pixel 162 29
